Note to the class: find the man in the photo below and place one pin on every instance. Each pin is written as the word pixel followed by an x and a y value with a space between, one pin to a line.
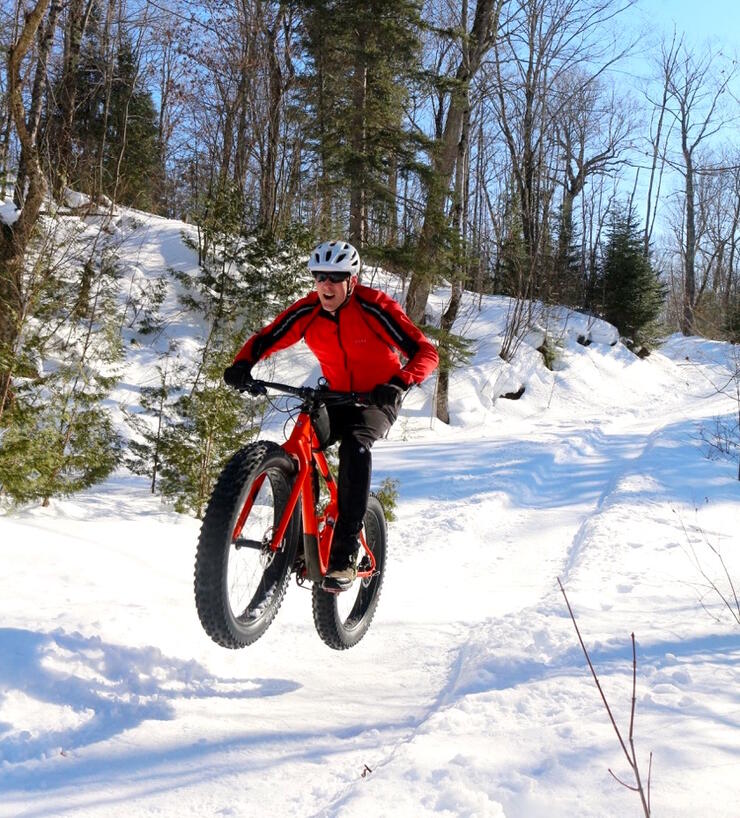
pixel 356 333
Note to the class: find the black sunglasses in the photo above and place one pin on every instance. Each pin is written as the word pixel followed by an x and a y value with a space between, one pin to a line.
pixel 335 278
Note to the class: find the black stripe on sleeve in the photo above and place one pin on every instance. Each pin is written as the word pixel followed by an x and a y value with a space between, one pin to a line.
pixel 406 343
pixel 263 343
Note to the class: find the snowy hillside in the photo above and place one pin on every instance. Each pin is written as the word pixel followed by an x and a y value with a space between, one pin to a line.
pixel 469 696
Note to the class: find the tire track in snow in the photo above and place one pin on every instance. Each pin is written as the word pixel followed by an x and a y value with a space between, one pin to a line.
pixel 632 468
pixel 444 697
pixel 625 466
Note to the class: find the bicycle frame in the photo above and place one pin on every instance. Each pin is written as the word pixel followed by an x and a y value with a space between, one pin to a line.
pixel 318 529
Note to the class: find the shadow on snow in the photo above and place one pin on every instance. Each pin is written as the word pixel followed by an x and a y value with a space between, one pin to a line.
pixel 104 689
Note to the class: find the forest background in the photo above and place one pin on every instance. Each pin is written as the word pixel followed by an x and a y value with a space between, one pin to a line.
pixel 551 151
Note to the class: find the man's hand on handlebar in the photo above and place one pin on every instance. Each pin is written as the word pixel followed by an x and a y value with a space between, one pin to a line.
pixel 239 376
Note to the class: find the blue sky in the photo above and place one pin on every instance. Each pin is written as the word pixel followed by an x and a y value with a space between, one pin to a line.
pixel 699 19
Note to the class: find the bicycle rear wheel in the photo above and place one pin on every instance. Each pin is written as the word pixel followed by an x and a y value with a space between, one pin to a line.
pixel 343 619
pixel 240 583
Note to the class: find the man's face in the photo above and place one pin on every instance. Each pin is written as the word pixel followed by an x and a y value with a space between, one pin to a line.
pixel 332 293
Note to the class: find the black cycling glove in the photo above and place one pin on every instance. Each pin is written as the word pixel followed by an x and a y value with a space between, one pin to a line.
pixel 238 375
pixel 388 394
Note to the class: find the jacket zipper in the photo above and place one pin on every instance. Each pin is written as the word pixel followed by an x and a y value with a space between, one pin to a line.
pixel 344 355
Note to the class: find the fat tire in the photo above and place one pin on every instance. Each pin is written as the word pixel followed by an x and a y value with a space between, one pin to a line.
pixel 227 627
pixel 341 631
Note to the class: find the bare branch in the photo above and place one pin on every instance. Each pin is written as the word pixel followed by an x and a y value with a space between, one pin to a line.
pixel 630 754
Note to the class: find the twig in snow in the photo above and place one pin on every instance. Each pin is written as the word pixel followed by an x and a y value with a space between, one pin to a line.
pixel 630 754
pixel 730 597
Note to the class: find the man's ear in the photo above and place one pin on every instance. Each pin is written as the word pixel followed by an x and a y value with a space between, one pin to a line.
pixel 351 285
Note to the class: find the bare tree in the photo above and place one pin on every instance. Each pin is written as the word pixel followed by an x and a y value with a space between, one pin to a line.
pixel 695 91
pixel 658 139
pixel 277 35
pixel 459 224
pixel 593 131
pixel 9 24
pixel 642 788
pixel 546 66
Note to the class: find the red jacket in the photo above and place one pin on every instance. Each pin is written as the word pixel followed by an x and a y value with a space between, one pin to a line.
pixel 358 347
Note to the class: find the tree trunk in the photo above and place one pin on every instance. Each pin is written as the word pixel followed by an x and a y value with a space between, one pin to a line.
pixel 434 214
pixel 476 44
pixel 108 74
pixel 392 237
pixel 357 204
pixel 732 233
pixel 276 89
pixel 14 238
pixel 39 84
pixel 324 187
pixel 442 406
pixel 246 132
pixel 459 219
pixel 77 18
pixel 689 273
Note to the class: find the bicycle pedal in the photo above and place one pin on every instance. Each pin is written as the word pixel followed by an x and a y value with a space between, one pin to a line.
pixel 330 585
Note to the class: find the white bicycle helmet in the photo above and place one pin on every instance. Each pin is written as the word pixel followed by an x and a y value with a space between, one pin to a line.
pixel 334 257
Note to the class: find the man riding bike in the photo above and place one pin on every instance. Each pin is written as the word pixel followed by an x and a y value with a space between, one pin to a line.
pixel 358 334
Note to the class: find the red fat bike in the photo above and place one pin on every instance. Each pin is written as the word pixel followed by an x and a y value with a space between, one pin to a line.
pixel 263 523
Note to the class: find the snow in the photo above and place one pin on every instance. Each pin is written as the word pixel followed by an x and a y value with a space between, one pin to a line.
pixel 9 214
pixel 470 695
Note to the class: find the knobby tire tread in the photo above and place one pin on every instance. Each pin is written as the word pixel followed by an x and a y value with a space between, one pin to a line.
pixel 214 544
pixel 339 634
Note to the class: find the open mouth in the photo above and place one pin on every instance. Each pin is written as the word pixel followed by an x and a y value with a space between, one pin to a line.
pixel 328 298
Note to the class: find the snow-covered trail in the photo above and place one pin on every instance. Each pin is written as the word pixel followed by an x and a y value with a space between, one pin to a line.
pixel 469 695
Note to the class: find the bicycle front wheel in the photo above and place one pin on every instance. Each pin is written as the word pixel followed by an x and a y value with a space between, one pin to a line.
pixel 240 581
pixel 343 619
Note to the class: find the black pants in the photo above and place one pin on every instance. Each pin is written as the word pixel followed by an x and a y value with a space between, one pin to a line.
pixel 357 428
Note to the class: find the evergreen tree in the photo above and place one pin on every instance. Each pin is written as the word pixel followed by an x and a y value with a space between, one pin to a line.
pixel 211 422
pixel 242 277
pixel 157 413
pixel 131 166
pixel 114 131
pixel 633 295
pixel 511 275
pixel 732 322
pixel 59 437
pixel 362 59
pixel 60 440
pixel 191 425
pixel 568 286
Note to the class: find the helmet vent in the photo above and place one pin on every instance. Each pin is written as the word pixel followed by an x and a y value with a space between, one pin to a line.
pixel 337 256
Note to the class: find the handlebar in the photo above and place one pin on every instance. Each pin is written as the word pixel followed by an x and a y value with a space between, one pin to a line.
pixel 310 395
